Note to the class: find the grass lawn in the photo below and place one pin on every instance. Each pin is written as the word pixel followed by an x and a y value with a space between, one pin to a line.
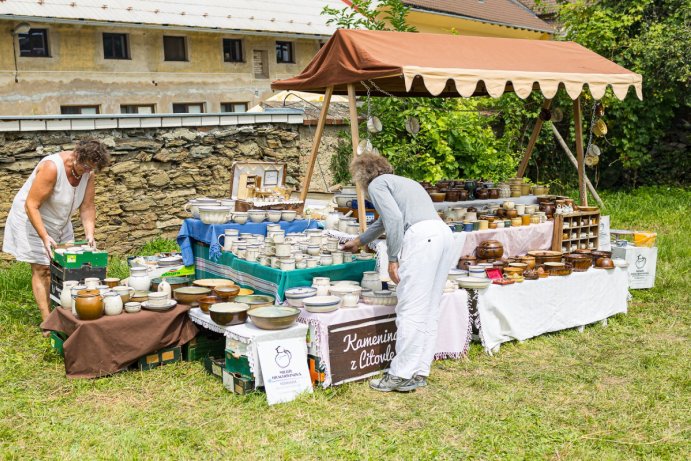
pixel 616 392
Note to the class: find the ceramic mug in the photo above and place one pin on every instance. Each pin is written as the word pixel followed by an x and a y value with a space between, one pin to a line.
pixel 483 224
pixel 525 219
pixel 92 283
pixel 467 227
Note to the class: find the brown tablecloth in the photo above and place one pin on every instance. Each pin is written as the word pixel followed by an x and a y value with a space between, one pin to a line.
pixel 110 344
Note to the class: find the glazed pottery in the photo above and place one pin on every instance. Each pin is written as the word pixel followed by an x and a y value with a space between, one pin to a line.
pixel 274 317
pixel 190 295
pixel 371 281
pixel 226 292
pixel 321 304
pixel 214 214
pixel 139 279
pixel 543 256
pixel 273 215
pixel 580 262
pixel 205 302
pixel 528 260
pixel 229 313
pixel 240 217
pixel 295 295
pixel 193 205
pixel 92 282
pixel 158 299
pixel 112 303
pixel 332 221
pixel 111 282
pixel 132 307
pixel 604 263
pixel 256 216
pixel 490 249
pixel 66 293
pixel 89 304
pixel 255 301
pixel 465 261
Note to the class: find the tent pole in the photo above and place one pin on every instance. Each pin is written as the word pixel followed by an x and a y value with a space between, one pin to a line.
pixel 315 144
pixel 578 128
pixel 355 136
pixel 533 139
pixel 569 154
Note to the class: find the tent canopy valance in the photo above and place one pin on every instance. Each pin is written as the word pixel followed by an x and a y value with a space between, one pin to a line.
pixel 415 64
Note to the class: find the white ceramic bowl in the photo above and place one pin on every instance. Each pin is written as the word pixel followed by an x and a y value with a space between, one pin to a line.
pixel 473 282
pixel 381 298
pixel 341 290
pixel 322 303
pixel 273 215
pixel 296 295
pixel 132 307
pixel 288 215
pixel 240 217
pixel 257 216
pixel 215 214
pixel 193 205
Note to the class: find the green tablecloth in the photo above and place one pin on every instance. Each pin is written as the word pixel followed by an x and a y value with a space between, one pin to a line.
pixel 265 280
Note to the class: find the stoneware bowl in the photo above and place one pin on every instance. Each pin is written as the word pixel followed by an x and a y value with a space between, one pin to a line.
pixel 226 292
pixel 322 303
pixel 229 313
pixel 240 217
pixel 274 317
pixel 288 215
pixel 257 216
pixel 205 302
pixel 213 283
pixel 296 295
pixel 255 301
pixel 214 214
pixel 190 295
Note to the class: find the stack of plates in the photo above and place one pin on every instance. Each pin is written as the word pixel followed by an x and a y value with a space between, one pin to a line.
pixel 170 261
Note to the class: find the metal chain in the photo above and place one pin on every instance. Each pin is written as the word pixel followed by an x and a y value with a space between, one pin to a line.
pixel 592 124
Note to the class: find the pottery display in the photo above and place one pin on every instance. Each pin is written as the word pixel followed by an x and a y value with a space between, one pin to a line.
pixel 295 295
pixel 255 301
pixel 257 216
pixel 226 292
pixel 580 262
pixel 343 290
pixel 465 261
pixel 371 281
pixel 212 283
pixel 322 303
pixel 215 214
pixel 274 215
pixel 190 295
pixel 205 302
pixel 274 317
pixel 240 217
pixel 604 263
pixel 193 205
pixel 112 303
pixel 139 279
pixel 66 293
pixel 111 282
pixel 543 256
pixel 379 297
pixel 89 304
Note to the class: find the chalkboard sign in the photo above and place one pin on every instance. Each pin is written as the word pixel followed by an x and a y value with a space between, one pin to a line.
pixel 361 348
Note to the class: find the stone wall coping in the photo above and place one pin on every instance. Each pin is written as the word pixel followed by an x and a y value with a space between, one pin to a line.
pixel 115 121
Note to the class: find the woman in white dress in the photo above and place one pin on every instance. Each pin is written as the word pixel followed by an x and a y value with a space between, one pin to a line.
pixel 40 215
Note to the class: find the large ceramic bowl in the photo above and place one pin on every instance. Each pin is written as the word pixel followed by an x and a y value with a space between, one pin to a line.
pixel 240 217
pixel 273 215
pixel 379 297
pixel 229 313
pixel 226 292
pixel 295 295
pixel 214 214
pixel 193 205
pixel 213 283
pixel 255 301
pixel 273 317
pixel 473 282
pixel 257 216
pixel 342 289
pixel 322 303
pixel 288 215
pixel 175 282
pixel 190 295
pixel 205 302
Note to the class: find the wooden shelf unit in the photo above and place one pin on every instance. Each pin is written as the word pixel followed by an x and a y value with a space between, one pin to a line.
pixel 584 224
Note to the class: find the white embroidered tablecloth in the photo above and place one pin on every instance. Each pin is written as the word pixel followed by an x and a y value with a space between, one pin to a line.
pixel 250 335
pixel 534 307
pixel 453 337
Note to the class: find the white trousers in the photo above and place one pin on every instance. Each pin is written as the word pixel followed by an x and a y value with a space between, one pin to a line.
pixel 424 263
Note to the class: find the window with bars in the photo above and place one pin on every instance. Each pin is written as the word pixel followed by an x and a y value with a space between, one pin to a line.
pixel 232 50
pixel 115 46
pixel 34 44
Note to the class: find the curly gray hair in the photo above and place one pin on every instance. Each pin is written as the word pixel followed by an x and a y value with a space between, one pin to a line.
pixel 364 168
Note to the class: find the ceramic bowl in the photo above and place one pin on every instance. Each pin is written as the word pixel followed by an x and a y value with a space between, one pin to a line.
pixel 255 301
pixel 190 295
pixel 175 282
pixel 274 317
pixel 132 307
pixel 438 196
pixel 193 205
pixel 215 214
pixel 288 215
pixel 274 215
pixel 213 283
pixel 240 217
pixel 618 262
pixel 158 299
pixel 379 297
pixel 245 291
pixel 345 200
pixel 257 216
pixel 341 290
pixel 226 292
pixel 296 295
pixel 139 296
pixel 205 302
pixel 322 303
pixel 229 313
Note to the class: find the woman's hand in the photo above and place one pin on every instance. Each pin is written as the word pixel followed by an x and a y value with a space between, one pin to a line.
pixel 48 245
pixel 393 272
pixel 352 245
pixel 91 241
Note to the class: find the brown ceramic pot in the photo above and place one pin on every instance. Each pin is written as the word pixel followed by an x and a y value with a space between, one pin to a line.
pixel 465 261
pixel 543 256
pixel 511 214
pixel 463 195
pixel 453 195
pixel 580 262
pixel 493 193
pixel 89 304
pixel 490 249
pixel 527 259
pixel 597 254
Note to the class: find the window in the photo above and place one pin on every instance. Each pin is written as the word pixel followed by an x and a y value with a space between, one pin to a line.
pixel 233 107
pixel 232 50
pixel 188 108
pixel 34 44
pixel 115 46
pixel 79 110
pixel 174 48
pixel 284 52
pixel 137 109
pixel 260 63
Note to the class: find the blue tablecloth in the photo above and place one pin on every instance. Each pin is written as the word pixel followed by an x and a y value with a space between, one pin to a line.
pixel 194 229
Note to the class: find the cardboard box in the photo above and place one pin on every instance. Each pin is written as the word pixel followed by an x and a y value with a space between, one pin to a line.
pixel 642 265
pixel 238 364
pixel 237 384
pixel 57 338
pixel 160 357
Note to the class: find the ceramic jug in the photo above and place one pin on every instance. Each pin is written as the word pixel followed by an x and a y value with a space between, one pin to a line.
pixel 73 293
pixel 331 222
pixel 164 287
pixel 371 281
pixel 139 279
pixel 66 293
pixel 112 303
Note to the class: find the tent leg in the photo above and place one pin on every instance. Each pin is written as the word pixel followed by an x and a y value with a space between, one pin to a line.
pixel 533 139
pixel 355 136
pixel 591 188
pixel 578 128
pixel 315 144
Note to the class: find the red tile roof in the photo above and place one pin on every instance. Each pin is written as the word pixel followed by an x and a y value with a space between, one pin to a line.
pixel 505 12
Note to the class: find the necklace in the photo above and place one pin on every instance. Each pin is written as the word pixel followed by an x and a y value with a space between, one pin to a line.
pixel 74 175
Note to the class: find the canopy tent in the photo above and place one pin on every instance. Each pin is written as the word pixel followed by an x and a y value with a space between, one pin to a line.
pixel 435 65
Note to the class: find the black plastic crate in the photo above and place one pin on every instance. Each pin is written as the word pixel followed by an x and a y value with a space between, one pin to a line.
pixel 59 274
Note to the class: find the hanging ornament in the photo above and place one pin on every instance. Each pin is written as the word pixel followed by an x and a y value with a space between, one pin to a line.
pixel 557 115
pixel 591 160
pixel 600 128
pixel 599 109
pixel 412 125
pixel 374 124
pixel 364 147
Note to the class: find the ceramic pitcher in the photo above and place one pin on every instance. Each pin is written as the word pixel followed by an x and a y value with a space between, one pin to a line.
pixel 139 279
pixel 66 294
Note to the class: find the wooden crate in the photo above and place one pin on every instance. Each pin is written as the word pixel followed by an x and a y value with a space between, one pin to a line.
pixel 584 224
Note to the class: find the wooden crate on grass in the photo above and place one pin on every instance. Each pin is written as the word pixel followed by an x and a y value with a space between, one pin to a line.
pixel 238 364
pixel 237 384
pixel 215 366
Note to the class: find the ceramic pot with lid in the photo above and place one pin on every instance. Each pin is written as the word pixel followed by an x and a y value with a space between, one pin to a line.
pixel 466 261
pixel 89 304
pixel 489 249
pixel 371 281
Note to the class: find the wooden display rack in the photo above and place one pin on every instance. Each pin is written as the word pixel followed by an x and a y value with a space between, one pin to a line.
pixel 578 222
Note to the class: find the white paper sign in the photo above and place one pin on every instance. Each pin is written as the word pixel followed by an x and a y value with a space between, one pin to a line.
pixel 605 242
pixel 284 367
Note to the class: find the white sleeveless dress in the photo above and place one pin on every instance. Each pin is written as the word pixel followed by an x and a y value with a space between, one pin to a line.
pixel 21 239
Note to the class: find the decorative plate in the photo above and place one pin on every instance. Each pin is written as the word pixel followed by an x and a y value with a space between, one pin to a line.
pixel 169 305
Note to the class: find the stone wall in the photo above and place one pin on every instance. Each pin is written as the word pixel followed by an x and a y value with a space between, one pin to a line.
pixel 154 172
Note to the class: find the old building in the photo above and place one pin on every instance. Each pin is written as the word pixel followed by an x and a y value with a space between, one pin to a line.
pixel 95 57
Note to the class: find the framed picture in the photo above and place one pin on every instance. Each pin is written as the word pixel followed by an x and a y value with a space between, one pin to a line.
pixel 271 178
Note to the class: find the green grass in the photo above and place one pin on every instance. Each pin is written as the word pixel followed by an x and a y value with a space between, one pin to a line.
pixel 616 392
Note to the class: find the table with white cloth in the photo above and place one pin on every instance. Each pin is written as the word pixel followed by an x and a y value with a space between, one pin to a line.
pixel 347 337
pixel 535 307
pixel 516 241
pixel 249 335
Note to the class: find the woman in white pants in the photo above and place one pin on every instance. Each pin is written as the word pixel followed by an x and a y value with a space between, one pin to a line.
pixel 420 255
